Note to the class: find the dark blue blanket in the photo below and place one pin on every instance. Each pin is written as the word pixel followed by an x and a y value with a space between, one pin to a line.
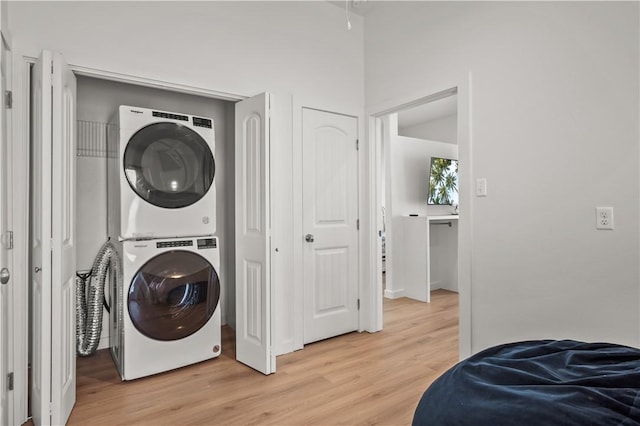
pixel 545 382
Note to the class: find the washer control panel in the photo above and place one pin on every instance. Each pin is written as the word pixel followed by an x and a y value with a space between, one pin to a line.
pixel 170 115
pixel 181 243
pixel 202 122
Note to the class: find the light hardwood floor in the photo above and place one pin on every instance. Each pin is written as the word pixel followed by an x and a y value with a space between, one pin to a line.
pixel 357 378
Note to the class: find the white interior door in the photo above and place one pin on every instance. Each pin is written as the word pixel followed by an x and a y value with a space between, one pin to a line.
pixel 5 262
pixel 253 262
pixel 330 214
pixel 53 240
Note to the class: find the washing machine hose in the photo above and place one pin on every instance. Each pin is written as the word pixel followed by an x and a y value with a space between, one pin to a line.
pixel 90 297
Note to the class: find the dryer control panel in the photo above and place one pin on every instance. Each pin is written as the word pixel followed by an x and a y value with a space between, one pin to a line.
pixel 206 243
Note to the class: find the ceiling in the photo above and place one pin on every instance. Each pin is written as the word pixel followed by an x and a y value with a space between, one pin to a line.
pixel 428 112
pixel 359 7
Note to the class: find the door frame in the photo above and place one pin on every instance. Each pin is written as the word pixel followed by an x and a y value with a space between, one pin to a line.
pixel 462 86
pixel 10 337
pixel 20 156
pixel 365 288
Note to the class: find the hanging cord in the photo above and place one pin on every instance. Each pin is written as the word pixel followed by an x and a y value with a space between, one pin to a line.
pixel 90 298
pixel 347 13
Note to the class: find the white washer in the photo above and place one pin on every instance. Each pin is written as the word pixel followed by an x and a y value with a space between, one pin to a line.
pixel 166 312
pixel 160 174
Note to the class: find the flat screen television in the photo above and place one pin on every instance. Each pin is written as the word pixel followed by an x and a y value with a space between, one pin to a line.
pixel 443 181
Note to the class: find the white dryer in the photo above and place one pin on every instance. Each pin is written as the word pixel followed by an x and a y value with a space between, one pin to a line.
pixel 166 312
pixel 161 172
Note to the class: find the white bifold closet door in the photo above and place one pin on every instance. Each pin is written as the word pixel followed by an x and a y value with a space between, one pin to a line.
pixel 253 235
pixel 53 362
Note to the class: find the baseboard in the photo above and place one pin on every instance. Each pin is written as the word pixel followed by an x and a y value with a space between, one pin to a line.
pixel 393 294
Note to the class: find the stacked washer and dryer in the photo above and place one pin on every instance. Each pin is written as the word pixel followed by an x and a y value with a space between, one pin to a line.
pixel 161 219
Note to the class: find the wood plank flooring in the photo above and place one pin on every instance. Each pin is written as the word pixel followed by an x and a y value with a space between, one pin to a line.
pixel 357 378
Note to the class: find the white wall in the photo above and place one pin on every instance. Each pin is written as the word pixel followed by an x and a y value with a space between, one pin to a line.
pixel 554 129
pixel 242 48
pixel 410 162
pixel 442 129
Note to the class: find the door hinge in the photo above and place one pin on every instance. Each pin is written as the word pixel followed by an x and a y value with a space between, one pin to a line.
pixel 357 144
pixel 10 381
pixel 357 224
pixel 358 304
pixel 8 99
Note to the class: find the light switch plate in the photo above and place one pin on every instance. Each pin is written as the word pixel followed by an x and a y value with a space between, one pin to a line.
pixel 481 187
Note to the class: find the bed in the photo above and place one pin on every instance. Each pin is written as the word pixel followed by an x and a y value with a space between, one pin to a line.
pixel 544 382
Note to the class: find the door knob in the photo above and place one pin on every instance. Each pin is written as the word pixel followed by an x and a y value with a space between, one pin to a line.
pixel 4 276
pixel 309 238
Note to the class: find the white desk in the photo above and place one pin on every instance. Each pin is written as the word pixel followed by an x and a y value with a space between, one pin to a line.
pixel 415 253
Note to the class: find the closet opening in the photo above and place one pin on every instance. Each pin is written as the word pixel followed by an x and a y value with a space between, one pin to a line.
pixel 98 100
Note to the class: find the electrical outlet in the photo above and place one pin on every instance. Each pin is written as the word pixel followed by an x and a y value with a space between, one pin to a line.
pixel 604 217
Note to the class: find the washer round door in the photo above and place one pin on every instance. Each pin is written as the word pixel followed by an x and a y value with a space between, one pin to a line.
pixel 169 165
pixel 173 295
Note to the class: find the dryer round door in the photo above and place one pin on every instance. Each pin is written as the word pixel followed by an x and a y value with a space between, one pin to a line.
pixel 173 295
pixel 169 165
